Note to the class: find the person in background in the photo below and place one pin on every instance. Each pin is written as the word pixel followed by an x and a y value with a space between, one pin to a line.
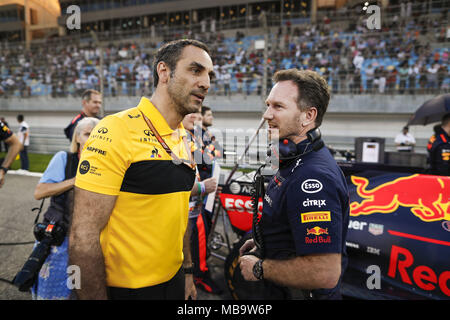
pixel 405 141
pixel 91 100
pixel 198 227
pixel 439 148
pixel 3 144
pixel 14 147
pixel 57 182
pixel 24 138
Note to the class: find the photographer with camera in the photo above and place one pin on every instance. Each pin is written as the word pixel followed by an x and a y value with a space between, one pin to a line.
pixel 46 269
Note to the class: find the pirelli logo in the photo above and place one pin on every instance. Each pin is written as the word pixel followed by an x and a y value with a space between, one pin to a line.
pixel 315 216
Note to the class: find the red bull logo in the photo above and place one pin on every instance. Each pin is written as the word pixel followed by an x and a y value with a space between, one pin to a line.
pixel 428 197
pixel 401 262
pixel 317 231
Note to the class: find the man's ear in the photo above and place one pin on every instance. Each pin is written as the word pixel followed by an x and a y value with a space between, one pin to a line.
pixel 309 116
pixel 163 72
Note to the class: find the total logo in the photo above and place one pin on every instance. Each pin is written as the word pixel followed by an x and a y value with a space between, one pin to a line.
pixel 311 186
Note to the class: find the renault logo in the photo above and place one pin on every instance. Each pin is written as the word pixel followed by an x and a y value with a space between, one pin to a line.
pixel 148 133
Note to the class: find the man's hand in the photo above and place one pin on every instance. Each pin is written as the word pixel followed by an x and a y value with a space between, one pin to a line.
pixel 189 288
pixel 249 245
pixel 210 185
pixel 246 264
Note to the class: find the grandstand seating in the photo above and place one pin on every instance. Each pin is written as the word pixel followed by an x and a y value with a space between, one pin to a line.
pixel 61 69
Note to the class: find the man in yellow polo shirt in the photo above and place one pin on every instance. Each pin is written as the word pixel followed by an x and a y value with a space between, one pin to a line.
pixel 133 185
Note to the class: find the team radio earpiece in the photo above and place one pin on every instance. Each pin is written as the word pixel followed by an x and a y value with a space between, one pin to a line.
pixel 288 149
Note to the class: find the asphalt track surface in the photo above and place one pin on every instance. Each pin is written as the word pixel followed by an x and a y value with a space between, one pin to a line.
pixel 16 225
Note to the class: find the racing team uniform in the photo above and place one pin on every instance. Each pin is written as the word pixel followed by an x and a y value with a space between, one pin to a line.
pixel 200 221
pixel 142 243
pixel 68 131
pixel 439 153
pixel 5 132
pixel 305 211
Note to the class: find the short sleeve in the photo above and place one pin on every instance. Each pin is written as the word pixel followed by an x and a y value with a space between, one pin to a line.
pixel 105 157
pixel 56 169
pixel 315 214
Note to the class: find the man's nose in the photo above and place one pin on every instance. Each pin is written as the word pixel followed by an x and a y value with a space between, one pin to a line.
pixel 205 82
pixel 268 114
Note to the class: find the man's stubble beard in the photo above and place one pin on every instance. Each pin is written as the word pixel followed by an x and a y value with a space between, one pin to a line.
pixel 181 103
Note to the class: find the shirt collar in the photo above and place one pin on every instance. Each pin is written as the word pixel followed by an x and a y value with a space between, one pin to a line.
pixel 301 146
pixel 158 121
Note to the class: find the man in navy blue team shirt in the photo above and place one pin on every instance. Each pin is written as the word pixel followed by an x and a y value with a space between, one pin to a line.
pixel 14 147
pixel 306 204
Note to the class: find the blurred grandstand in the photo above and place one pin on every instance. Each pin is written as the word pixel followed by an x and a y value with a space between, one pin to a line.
pixel 378 77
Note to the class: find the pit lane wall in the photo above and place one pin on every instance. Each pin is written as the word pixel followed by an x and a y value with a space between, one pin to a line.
pixel 348 117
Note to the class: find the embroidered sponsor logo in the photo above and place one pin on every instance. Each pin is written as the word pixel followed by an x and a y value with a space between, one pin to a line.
pixel 311 186
pixel 102 130
pixel 134 117
pixel 267 198
pixel 314 203
pixel 318 239
pixel 316 216
pixel 316 231
pixel 96 150
pixel 155 153
pixel 84 167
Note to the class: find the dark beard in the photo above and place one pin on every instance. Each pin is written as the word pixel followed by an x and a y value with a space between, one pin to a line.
pixel 182 103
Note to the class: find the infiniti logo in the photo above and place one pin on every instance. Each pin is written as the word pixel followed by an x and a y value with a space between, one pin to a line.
pixel 102 130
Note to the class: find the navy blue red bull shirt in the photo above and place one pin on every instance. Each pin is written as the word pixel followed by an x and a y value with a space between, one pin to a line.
pixel 5 132
pixel 439 153
pixel 306 210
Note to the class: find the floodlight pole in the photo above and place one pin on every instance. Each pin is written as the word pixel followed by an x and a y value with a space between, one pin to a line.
pixel 100 70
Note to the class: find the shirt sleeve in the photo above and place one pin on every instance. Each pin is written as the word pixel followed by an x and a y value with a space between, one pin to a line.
pixel 105 158
pixel 56 169
pixel 443 159
pixel 315 214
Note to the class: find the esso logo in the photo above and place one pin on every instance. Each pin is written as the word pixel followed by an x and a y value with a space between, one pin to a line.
pixel 311 186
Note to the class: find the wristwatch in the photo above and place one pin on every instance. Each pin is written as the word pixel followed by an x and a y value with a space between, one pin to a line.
pixel 258 271
pixel 189 270
pixel 4 169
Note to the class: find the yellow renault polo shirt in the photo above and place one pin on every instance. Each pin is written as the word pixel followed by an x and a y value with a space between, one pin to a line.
pixel 143 241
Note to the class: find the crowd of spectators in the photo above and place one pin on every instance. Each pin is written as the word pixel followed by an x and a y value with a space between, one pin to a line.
pixel 396 59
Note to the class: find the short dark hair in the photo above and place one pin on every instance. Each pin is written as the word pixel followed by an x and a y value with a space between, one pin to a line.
pixel 313 90
pixel 20 117
pixel 204 109
pixel 87 94
pixel 445 119
pixel 170 54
